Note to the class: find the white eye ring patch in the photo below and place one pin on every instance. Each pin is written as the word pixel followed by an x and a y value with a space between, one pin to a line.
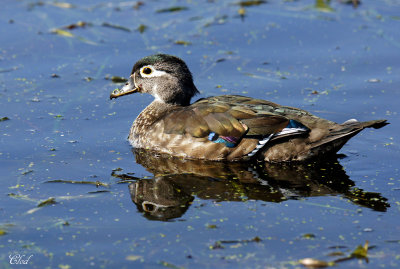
pixel 144 72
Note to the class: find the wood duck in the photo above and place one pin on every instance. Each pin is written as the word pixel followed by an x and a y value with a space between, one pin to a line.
pixel 227 127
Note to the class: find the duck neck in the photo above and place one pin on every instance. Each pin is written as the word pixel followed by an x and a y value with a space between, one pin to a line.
pixel 150 115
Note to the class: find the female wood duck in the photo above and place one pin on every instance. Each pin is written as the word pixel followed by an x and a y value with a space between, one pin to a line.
pixel 227 127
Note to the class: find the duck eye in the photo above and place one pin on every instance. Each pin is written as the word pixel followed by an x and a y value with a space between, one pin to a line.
pixel 147 71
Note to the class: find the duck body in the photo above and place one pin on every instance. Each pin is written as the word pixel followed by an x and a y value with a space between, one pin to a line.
pixel 227 127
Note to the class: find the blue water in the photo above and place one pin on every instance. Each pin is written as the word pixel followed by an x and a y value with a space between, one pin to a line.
pixel 151 213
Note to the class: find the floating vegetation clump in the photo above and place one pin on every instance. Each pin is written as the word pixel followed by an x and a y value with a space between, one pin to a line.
pixel 172 9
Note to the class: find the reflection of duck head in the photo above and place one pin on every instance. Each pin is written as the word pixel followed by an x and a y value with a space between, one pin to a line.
pixel 159 198
pixel 169 193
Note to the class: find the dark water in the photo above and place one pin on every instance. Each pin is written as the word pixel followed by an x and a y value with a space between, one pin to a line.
pixel 114 207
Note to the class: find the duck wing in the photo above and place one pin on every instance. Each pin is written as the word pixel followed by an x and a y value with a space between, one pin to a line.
pixel 231 121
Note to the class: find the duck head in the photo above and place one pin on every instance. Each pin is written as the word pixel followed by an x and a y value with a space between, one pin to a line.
pixel 165 77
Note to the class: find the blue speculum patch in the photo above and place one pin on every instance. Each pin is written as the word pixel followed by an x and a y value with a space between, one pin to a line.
pixel 229 141
pixel 296 124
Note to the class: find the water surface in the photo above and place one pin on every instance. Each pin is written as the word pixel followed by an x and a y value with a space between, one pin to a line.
pixel 102 204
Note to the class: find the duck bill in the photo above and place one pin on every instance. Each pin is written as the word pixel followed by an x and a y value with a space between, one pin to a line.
pixel 127 89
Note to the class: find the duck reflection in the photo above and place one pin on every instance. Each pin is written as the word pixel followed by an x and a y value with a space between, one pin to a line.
pixel 176 181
